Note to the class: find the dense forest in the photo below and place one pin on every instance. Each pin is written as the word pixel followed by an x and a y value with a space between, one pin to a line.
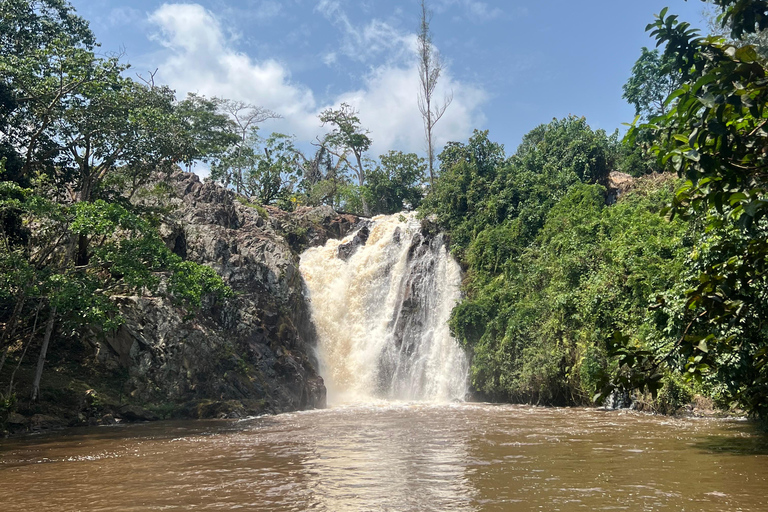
pixel 574 292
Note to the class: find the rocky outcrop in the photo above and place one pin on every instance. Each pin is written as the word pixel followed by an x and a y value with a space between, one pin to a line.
pixel 346 250
pixel 247 354
pixel 619 184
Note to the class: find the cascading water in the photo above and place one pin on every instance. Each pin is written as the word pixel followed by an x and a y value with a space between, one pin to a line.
pixel 380 300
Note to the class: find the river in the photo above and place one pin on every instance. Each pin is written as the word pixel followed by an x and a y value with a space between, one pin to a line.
pixel 395 456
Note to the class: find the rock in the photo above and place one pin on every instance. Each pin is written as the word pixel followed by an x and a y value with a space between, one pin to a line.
pixel 108 419
pixel 44 422
pixel 255 348
pixel 618 183
pixel 15 419
pixel 136 413
pixel 346 250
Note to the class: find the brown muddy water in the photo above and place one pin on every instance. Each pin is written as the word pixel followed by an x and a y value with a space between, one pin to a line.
pixel 395 457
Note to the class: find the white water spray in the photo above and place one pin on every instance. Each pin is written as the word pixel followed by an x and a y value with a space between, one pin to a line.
pixel 381 307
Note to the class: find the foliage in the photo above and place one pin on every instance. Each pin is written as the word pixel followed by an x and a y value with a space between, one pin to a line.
pixel 714 135
pixel 396 183
pixel 743 16
pixel 268 168
pixel 552 271
pixel 347 136
pixel 209 132
pixel 653 80
pixel 538 323
pixel 480 188
pixel 79 139
pixel 239 160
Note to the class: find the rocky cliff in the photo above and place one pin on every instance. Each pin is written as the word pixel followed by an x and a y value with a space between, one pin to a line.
pixel 248 354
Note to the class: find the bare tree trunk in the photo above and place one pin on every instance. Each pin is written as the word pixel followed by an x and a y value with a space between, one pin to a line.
pixel 361 181
pixel 26 347
pixel 43 352
pixel 2 359
pixel 430 68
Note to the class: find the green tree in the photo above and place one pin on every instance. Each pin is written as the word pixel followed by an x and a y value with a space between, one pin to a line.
pixel 653 80
pixel 81 138
pixel 323 179
pixel 467 171
pixel 347 136
pixel 208 131
pixel 396 183
pixel 245 119
pixel 278 167
pixel 743 17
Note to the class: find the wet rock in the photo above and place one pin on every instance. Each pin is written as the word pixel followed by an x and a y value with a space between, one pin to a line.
pixel 44 422
pixel 136 413
pixel 346 250
pixel 108 419
pixel 16 420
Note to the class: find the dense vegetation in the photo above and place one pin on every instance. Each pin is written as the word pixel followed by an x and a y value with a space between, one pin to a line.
pixel 552 271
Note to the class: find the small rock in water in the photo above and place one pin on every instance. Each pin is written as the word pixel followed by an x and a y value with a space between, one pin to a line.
pixel 136 413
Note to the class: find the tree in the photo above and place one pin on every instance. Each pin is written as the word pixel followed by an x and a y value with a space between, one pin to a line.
pixel 277 167
pixel 396 183
pixel 209 131
pixel 245 118
pixel 81 138
pixel 430 68
pixel 653 80
pixel 714 18
pixel 743 17
pixel 347 136
pixel 322 177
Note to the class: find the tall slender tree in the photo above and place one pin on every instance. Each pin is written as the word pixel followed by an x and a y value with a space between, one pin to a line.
pixel 246 119
pixel 430 69
pixel 347 137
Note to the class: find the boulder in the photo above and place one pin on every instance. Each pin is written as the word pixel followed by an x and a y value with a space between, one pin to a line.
pixel 135 413
pixel 44 422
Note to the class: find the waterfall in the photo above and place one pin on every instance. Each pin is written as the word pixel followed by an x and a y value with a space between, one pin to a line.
pixel 380 301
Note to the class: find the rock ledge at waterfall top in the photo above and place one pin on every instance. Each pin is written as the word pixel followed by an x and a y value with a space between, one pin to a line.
pixel 246 355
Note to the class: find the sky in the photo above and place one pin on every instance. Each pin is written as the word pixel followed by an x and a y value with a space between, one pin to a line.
pixel 509 65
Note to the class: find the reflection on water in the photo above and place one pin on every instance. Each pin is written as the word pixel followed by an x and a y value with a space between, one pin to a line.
pixel 395 457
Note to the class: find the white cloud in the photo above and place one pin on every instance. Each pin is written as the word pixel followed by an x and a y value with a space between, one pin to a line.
pixel 267 9
pixel 388 108
pixel 368 42
pixel 198 57
pixel 123 16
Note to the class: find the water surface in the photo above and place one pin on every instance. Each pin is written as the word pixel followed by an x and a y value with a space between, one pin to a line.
pixel 395 457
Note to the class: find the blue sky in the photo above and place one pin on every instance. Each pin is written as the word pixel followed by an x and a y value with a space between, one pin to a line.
pixel 510 65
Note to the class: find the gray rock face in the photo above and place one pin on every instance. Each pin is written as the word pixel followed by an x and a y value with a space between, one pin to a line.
pixel 248 354
pixel 346 250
